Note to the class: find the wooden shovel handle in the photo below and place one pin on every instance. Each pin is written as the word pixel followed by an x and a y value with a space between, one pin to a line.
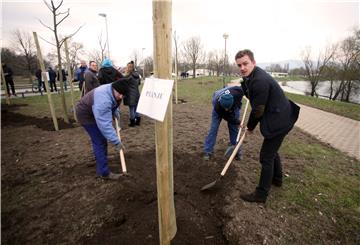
pixel 122 157
pixel 223 172
pixel 243 119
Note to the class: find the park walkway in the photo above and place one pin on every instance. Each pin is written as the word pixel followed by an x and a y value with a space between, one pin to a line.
pixel 340 132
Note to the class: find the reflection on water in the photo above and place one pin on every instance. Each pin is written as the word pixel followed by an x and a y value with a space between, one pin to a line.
pixel 323 89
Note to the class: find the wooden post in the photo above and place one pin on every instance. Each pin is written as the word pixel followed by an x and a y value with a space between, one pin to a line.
pixel 176 72
pixel 42 66
pixel 163 130
pixel 7 97
pixel 70 75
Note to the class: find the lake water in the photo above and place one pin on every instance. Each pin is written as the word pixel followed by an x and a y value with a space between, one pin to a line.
pixel 302 87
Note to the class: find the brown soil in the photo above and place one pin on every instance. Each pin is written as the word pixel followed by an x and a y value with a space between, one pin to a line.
pixel 50 194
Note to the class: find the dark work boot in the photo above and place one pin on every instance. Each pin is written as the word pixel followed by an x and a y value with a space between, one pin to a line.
pixel 253 197
pixel 137 121
pixel 132 123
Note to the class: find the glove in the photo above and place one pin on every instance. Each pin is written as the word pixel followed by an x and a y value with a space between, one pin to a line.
pixel 119 147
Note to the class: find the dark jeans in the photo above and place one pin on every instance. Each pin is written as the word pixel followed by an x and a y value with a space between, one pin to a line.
pixel 271 168
pixel 11 84
pixel 99 144
pixel 52 86
pixel 210 139
pixel 132 112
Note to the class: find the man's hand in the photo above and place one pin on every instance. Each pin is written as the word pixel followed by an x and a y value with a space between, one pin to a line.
pixel 120 147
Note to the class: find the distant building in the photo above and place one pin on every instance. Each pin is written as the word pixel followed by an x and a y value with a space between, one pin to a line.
pixel 278 74
pixel 199 72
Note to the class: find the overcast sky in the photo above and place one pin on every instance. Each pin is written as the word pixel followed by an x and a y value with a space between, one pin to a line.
pixel 274 30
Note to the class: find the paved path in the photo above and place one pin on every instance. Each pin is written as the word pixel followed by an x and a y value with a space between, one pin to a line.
pixel 340 132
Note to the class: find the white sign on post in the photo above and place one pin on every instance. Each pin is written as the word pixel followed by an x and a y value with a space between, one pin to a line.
pixel 154 98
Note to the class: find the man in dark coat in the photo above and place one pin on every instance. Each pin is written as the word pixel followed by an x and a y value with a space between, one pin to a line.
pixel 91 81
pixel 107 73
pixel 8 73
pixel 52 79
pixel 277 116
pixel 132 78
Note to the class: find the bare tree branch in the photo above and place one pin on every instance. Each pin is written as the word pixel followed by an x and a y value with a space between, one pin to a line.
pixel 45 25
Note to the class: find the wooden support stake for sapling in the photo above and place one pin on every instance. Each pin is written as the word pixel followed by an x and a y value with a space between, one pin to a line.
pixel 70 78
pixel 163 130
pixel 7 97
pixel 43 71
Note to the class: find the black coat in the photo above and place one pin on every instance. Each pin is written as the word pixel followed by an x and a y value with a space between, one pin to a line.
pixel 133 81
pixel 108 75
pixel 276 114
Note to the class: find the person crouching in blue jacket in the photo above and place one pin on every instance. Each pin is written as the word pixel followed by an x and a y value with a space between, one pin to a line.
pixel 95 112
pixel 226 105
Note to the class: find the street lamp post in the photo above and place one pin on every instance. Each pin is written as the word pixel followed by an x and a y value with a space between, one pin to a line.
pixel 225 36
pixel 107 34
pixel 142 54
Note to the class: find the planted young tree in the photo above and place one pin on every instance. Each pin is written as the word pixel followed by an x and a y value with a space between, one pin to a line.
pixel 58 18
pixel 192 50
pixel 315 69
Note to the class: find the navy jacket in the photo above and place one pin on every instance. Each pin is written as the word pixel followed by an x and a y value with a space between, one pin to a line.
pixel 276 114
pixel 229 115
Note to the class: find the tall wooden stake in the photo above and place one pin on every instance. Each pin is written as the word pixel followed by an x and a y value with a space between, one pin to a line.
pixel 163 130
pixel 42 66
pixel 176 70
pixel 70 75
pixel 7 97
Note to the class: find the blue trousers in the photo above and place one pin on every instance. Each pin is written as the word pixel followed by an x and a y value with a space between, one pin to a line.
pixel 132 111
pixel 99 144
pixel 214 127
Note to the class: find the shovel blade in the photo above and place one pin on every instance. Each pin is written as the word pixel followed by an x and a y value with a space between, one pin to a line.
pixel 210 185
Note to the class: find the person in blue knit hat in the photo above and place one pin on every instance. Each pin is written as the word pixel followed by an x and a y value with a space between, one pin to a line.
pixel 107 73
pixel 226 105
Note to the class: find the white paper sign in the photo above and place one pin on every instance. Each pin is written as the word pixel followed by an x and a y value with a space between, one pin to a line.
pixel 154 98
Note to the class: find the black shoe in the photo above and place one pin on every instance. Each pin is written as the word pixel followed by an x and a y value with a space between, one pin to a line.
pixel 253 197
pixel 132 123
pixel 137 121
pixel 277 183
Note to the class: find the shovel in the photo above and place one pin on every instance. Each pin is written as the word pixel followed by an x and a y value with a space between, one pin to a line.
pixel 223 172
pixel 122 157
pixel 230 149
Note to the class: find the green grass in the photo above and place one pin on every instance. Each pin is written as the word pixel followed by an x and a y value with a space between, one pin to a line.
pixel 327 189
pixel 38 106
pixel 349 110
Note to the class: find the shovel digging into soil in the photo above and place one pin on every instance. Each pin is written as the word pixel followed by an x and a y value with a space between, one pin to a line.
pixel 230 149
pixel 122 157
pixel 223 172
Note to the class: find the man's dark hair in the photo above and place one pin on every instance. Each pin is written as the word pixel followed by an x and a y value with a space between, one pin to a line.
pixel 91 61
pixel 244 52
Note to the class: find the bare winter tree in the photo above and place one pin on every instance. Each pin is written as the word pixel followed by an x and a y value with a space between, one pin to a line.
pixel 215 61
pixel 315 69
pixel 58 18
pixel 26 46
pixel 192 50
pixel 102 47
pixel 135 56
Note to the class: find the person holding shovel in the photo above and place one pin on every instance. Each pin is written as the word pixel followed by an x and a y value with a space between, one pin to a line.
pixel 226 105
pixel 95 112
pixel 276 115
